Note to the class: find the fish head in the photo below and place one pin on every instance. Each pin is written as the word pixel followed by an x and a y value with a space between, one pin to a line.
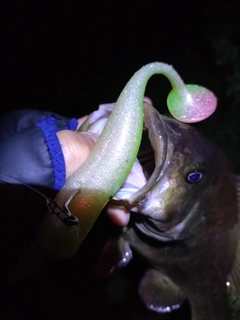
pixel 188 176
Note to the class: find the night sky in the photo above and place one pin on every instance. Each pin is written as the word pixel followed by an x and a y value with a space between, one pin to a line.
pixel 69 57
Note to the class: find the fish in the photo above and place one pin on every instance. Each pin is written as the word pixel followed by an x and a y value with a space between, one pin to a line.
pixel 183 201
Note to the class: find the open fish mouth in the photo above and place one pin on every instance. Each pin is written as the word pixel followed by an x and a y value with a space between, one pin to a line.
pixel 153 163
pixel 150 164
pixel 153 159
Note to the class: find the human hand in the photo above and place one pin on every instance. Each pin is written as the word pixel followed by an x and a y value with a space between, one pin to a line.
pixel 41 149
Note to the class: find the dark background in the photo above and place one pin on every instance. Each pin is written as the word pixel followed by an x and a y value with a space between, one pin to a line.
pixel 69 57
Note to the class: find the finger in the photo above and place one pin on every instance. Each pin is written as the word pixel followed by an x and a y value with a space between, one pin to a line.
pixel 76 147
pixel 119 215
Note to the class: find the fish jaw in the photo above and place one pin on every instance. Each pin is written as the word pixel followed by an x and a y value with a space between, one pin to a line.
pixel 152 199
pixel 148 197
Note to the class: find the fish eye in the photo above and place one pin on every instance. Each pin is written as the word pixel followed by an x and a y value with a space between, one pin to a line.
pixel 194 176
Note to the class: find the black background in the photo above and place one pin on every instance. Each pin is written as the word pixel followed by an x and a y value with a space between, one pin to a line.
pixel 69 57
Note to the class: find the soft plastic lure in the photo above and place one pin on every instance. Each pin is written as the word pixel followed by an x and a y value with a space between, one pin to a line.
pixel 88 190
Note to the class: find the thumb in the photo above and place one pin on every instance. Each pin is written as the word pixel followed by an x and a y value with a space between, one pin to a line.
pixel 76 147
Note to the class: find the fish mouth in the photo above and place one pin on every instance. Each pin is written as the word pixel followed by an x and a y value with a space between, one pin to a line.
pixel 154 156
pixel 154 160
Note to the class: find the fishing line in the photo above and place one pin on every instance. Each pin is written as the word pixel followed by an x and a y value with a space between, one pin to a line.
pixel 62 213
